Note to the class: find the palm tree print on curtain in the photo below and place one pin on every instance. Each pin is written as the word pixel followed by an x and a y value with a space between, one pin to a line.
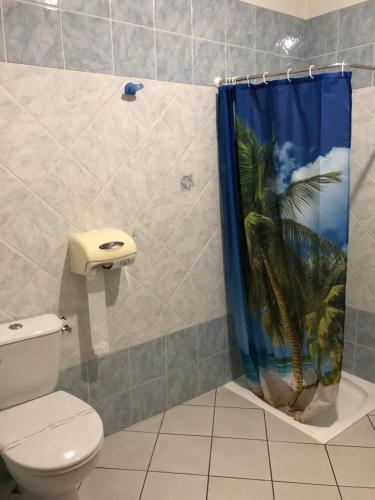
pixel 292 250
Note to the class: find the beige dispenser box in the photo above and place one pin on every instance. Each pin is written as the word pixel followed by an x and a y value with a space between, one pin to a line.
pixel 101 248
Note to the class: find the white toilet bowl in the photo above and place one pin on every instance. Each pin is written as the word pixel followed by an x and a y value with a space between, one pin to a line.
pixel 50 445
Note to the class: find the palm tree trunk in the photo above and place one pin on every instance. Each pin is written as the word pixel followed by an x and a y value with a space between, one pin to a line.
pixel 291 333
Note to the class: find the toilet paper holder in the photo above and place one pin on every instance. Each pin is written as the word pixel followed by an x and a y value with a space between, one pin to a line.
pixel 101 248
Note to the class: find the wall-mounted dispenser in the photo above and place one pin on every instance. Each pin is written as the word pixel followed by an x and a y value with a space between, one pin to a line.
pixel 92 253
pixel 103 248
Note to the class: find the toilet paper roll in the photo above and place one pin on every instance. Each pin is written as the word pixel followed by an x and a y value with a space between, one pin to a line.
pixel 98 312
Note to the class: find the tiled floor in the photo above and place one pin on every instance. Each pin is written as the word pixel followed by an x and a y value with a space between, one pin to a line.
pixel 220 447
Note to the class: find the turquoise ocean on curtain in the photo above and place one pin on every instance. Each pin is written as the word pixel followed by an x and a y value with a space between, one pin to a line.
pixel 284 150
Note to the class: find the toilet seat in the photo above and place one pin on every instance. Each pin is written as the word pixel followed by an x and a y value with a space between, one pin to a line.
pixel 50 435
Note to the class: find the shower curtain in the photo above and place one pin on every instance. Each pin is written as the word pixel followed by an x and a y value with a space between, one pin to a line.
pixel 284 151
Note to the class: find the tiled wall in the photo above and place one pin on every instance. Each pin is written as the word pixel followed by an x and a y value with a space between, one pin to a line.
pixel 190 41
pixel 360 325
pixel 133 384
pixel 347 34
pixel 75 156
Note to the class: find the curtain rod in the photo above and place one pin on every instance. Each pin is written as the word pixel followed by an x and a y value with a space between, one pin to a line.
pixel 235 79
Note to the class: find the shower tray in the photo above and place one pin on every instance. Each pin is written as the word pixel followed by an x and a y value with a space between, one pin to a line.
pixel 356 398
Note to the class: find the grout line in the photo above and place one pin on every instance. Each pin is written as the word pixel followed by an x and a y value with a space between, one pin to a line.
pixel 192 40
pixel 111 33
pixel 212 439
pixel 233 477
pixel 154 25
pixel 62 38
pixel 371 422
pixel 152 454
pixel 268 452
pixel 3 27
pixel 225 38
pixel 333 471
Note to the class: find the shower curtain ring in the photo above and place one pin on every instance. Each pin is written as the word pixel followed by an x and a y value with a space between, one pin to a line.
pixel 264 77
pixel 310 71
pixel 248 80
pixel 288 75
pixel 342 68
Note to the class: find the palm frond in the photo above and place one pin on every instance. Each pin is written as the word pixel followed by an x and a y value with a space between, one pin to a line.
pixel 299 195
pixel 298 235
pixel 335 293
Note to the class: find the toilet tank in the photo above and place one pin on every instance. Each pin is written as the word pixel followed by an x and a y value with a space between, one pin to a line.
pixel 29 358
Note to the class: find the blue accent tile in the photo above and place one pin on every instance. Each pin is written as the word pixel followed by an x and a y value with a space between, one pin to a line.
pixel 239 61
pixel 173 15
pixel 109 375
pixel 232 341
pixel 362 55
pixel 209 19
pixel 87 43
pixel 182 385
pixel 366 329
pixel 269 32
pixel 240 23
pixel 350 330
pixel 357 25
pixel 174 57
pixel 212 372
pixel 33 34
pixel 364 364
pixel 115 412
pixel 213 337
pixel 264 61
pixel 149 399
pixel 348 357
pixel 137 12
pixel 182 349
pixel 134 50
pixel 74 381
pixel 235 367
pixel 321 34
pixel 209 61
pixel 147 361
pixel 95 7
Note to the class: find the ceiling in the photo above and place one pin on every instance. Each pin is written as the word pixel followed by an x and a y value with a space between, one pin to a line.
pixel 304 8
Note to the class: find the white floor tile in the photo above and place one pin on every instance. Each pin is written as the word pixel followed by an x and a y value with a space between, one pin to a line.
pixel 127 450
pixel 184 419
pixel 357 493
pixel 107 484
pixel 361 433
pixel 300 463
pixel 240 458
pixel 288 491
pixel 224 488
pixel 353 466
pixel 184 454
pixel 206 399
pixel 227 398
pixel 239 423
pixel 151 424
pixel 278 430
pixel 164 486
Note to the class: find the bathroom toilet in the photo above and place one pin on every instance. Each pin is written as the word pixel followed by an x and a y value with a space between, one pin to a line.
pixel 50 441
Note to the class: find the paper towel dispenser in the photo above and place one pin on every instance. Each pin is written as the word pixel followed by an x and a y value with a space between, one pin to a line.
pixel 104 248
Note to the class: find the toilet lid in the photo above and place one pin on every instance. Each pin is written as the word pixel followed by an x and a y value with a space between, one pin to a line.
pixel 51 433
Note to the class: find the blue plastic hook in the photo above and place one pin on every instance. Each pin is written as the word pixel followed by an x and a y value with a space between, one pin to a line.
pixel 132 88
